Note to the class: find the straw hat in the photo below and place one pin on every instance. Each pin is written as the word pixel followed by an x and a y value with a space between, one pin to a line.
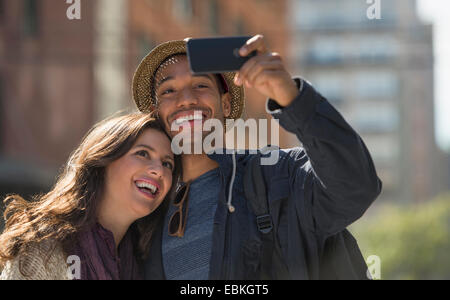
pixel 143 79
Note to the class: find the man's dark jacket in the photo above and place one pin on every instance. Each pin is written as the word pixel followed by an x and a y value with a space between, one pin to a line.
pixel 314 193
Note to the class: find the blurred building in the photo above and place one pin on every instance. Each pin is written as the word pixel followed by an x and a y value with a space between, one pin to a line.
pixel 46 94
pixel 59 76
pixel 379 74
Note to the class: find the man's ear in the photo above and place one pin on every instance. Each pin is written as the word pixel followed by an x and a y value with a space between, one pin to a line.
pixel 226 105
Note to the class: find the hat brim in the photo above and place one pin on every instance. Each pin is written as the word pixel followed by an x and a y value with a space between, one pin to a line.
pixel 143 79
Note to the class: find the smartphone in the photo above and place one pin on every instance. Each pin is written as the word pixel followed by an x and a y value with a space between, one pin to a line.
pixel 216 55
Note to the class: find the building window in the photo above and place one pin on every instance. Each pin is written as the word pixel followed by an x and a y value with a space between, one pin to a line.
pixel 325 51
pixel 377 49
pixel 214 17
pixel 375 118
pixel 145 45
pixel 183 10
pixel 2 111
pixel 339 15
pixel 2 10
pixel 239 28
pixel 385 148
pixel 331 86
pixel 338 50
pixel 376 84
pixel 31 19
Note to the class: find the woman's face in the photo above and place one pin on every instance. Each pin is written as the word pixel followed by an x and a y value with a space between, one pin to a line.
pixel 137 182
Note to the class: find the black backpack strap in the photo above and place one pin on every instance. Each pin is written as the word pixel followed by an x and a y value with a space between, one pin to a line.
pixel 255 190
pixel 256 193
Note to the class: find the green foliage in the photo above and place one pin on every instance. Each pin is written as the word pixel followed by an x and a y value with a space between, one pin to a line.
pixel 413 242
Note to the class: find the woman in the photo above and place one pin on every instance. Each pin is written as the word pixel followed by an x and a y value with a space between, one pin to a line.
pixel 97 221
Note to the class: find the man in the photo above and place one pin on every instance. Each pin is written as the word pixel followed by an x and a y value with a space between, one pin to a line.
pixel 314 192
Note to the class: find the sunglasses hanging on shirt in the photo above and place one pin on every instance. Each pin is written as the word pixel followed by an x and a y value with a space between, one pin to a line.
pixel 177 222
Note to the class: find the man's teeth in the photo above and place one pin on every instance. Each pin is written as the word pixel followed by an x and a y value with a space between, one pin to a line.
pixel 188 118
pixel 151 187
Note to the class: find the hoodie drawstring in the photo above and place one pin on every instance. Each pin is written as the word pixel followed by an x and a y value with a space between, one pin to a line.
pixel 231 208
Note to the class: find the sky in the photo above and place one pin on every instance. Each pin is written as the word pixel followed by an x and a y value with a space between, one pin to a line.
pixel 437 12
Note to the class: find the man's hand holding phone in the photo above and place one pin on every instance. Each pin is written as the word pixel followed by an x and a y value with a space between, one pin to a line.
pixel 256 67
pixel 266 73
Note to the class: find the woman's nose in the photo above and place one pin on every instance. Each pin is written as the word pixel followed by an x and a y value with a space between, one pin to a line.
pixel 155 168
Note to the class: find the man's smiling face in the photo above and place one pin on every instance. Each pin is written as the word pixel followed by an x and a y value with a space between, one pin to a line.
pixel 184 98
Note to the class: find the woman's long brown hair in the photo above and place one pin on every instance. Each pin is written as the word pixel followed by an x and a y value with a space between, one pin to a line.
pixel 71 206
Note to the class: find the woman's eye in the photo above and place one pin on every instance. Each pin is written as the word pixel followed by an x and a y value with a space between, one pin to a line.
pixel 142 153
pixel 202 86
pixel 168 165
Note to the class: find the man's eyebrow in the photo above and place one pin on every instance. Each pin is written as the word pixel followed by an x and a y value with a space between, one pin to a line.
pixel 164 80
pixel 153 150
pixel 208 76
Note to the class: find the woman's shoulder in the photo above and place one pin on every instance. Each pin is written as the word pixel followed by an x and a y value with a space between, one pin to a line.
pixel 42 261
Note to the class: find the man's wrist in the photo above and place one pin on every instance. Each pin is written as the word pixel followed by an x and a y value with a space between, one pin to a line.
pixel 290 93
pixel 273 106
pixel 294 117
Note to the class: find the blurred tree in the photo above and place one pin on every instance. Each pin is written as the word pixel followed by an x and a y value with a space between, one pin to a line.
pixel 413 242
